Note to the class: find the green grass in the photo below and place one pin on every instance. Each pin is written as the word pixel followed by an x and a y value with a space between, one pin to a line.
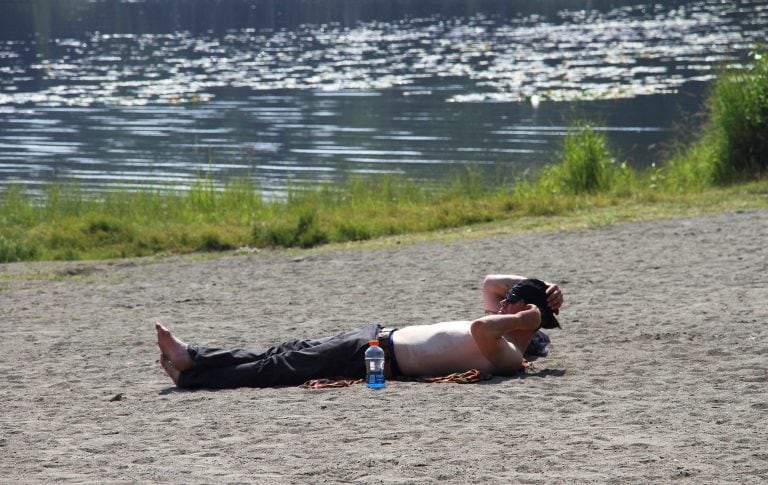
pixel 733 146
pixel 738 126
pixel 589 187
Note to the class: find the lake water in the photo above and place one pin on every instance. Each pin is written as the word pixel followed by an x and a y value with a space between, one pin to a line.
pixel 124 94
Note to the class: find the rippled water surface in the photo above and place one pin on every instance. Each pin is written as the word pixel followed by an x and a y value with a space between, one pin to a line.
pixel 299 99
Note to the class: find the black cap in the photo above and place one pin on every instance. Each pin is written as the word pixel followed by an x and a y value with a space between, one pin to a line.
pixel 534 291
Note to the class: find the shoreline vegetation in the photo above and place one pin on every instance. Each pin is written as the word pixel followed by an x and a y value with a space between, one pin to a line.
pixel 724 169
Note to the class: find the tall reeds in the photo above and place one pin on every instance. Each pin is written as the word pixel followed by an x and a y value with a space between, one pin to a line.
pixel 738 127
pixel 733 145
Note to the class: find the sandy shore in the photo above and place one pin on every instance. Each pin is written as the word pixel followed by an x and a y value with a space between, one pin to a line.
pixel 660 373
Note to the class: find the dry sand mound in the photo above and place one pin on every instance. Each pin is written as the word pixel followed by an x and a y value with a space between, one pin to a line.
pixel 659 374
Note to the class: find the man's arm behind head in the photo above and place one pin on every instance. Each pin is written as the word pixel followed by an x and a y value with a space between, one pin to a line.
pixel 489 331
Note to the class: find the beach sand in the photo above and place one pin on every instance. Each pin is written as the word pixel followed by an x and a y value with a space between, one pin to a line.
pixel 660 373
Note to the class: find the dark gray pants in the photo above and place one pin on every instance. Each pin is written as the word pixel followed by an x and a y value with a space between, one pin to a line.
pixel 287 364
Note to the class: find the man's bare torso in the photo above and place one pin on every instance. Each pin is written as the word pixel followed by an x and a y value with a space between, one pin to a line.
pixel 438 349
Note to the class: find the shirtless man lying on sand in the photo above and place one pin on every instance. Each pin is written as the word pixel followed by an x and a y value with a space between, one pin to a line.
pixel 515 308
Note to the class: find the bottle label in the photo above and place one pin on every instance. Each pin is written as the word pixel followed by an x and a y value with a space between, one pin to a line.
pixel 375 373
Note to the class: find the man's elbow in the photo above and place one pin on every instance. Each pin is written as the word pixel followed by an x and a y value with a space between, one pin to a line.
pixel 494 284
pixel 482 331
pixel 478 330
pixel 487 283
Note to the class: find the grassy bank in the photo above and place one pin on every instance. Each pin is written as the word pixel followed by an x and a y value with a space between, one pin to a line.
pixel 724 169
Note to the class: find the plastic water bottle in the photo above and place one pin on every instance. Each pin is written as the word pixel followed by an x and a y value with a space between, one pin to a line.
pixel 374 366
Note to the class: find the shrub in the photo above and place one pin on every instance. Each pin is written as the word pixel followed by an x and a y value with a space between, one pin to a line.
pixel 12 251
pixel 101 231
pixel 738 111
pixel 304 232
pixel 586 161
pixel 687 171
pixel 354 231
pixel 213 241
pixel 308 231
pixel 587 167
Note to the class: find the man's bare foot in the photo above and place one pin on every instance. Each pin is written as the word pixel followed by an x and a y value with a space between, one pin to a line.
pixel 173 349
pixel 170 369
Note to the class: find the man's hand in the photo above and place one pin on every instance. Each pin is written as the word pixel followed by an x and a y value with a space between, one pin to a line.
pixel 554 298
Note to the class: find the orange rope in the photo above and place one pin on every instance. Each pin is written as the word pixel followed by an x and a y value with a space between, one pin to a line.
pixel 469 377
pixel 329 383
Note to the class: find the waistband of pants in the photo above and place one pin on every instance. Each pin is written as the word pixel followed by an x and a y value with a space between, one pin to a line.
pixel 391 368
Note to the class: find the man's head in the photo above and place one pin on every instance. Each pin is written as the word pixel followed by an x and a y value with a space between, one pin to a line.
pixel 533 291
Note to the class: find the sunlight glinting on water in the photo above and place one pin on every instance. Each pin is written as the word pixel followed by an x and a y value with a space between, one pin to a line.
pixel 277 104
pixel 512 60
